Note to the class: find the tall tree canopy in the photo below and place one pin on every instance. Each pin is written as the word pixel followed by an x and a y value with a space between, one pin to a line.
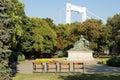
pixel 18 16
pixel 93 31
pixel 50 22
pixel 43 36
pixel 114 24
pixel 65 38
pixel 5 31
pixel 36 35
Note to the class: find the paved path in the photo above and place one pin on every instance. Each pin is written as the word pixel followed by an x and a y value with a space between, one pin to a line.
pixel 101 69
pixel 27 68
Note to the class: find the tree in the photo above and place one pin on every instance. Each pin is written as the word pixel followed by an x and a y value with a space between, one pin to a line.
pixel 76 32
pixel 65 39
pixel 104 41
pixel 50 22
pixel 92 30
pixel 117 39
pixel 5 31
pixel 17 14
pixel 26 39
pixel 43 36
pixel 114 24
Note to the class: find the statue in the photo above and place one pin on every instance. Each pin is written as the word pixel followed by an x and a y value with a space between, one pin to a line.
pixel 80 51
pixel 81 45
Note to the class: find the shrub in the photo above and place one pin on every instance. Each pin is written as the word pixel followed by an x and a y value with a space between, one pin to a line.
pixel 49 59
pixel 43 60
pixel 16 56
pixel 59 54
pixel 101 62
pixel 21 56
pixel 114 61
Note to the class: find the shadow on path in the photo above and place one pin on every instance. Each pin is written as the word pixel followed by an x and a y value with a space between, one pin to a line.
pixel 101 69
pixel 91 77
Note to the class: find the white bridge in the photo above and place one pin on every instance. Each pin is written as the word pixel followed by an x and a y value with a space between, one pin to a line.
pixel 82 10
pixel 70 7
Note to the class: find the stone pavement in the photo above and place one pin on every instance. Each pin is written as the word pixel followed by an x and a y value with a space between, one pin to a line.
pixel 91 69
pixel 26 67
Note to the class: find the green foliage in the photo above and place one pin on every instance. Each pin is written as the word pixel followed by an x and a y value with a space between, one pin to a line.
pixel 114 23
pixel 60 54
pixel 64 38
pixel 31 34
pixel 117 39
pixel 49 22
pixel 114 61
pixel 98 35
pixel 104 40
pixel 94 31
pixel 101 62
pixel 44 37
pixel 49 59
pixel 21 57
pixel 35 35
pixel 76 31
pixel 16 56
pixel 5 31
pixel 26 39
pixel 43 60
pixel 17 15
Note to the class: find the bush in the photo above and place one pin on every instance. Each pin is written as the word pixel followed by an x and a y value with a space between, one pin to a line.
pixel 60 54
pixel 101 62
pixel 43 60
pixel 114 61
pixel 21 56
pixel 49 59
pixel 16 56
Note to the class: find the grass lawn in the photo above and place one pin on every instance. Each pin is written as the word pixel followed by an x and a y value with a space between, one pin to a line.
pixel 65 76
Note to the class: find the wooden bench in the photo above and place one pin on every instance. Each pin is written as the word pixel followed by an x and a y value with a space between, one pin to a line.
pixel 51 66
pixel 78 66
pixel 64 66
pixel 38 65
pixel 58 66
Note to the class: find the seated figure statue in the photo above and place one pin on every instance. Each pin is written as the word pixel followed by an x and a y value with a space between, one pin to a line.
pixel 82 44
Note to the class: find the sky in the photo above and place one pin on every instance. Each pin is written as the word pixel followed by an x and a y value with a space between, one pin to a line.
pixel 56 9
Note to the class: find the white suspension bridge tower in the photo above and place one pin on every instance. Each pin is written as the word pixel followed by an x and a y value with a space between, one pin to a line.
pixel 70 7
pixel 81 10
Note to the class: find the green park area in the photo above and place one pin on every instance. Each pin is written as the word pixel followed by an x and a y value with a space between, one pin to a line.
pixel 24 38
pixel 109 74
pixel 67 77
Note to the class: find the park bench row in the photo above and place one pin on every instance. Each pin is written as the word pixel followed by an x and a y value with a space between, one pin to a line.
pixel 58 66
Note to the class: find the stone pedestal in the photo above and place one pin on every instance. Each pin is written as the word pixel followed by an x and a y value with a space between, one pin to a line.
pixel 82 56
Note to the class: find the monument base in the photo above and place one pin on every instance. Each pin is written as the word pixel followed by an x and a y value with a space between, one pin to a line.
pixel 82 56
